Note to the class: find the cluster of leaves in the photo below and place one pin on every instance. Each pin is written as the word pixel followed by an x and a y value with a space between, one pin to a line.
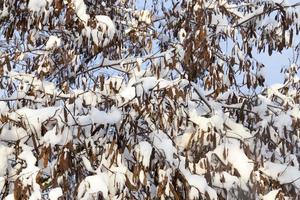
pixel 103 100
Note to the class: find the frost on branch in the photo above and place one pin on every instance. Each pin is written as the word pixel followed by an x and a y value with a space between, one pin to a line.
pixel 100 100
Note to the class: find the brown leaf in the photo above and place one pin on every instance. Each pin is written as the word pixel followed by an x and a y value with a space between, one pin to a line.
pixel 7 61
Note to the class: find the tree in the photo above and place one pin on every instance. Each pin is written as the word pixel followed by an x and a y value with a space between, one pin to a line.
pixel 101 100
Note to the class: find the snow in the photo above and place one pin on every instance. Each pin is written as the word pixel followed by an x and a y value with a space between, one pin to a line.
pixel 88 97
pixel 2 183
pixel 184 139
pixel 220 22
pixel 28 157
pixel 96 35
pixel 13 133
pixel 225 180
pixel 53 42
pixel 149 121
pixel 199 183
pixel 233 129
pixel 144 150
pixel 101 117
pixel 203 122
pixel 146 84
pixel 250 16
pixel 92 185
pixel 4 153
pixel 34 117
pixel 142 176
pixel 284 173
pixel 55 193
pixel 107 27
pixel 235 156
pixel 28 174
pixel 283 120
pixel 9 197
pixel 118 178
pixel 236 130
pixel 87 164
pixel 29 79
pixel 128 93
pixel 144 16
pixel 271 195
pixel 80 9
pixel 38 5
pixel 4 12
pixel 163 144
pixel 52 137
pixel 36 195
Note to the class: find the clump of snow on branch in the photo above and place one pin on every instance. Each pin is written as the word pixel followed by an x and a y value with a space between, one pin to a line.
pixel 102 100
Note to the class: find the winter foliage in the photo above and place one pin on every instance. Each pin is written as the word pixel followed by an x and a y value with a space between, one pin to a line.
pixel 100 99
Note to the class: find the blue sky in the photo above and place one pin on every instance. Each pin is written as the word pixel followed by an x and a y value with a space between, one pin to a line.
pixel 273 63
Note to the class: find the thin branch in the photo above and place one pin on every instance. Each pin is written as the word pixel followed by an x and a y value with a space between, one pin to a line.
pixel 262 11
